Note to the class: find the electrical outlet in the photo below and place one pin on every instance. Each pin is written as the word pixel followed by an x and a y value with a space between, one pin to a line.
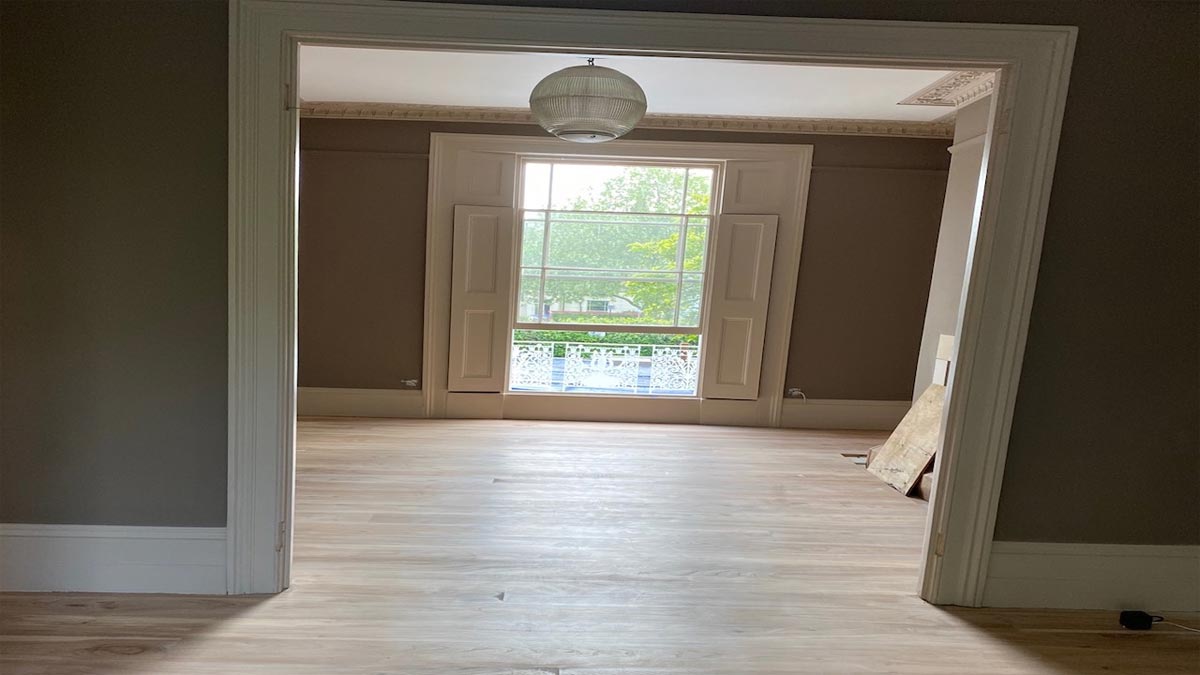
pixel 411 384
pixel 794 392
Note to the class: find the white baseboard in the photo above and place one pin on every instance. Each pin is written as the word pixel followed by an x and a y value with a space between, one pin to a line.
pixel 605 408
pixel 796 413
pixel 830 413
pixel 1093 576
pixel 337 402
pixel 112 559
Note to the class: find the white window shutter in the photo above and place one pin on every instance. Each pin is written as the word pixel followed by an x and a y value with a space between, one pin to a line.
pixel 485 178
pixel 480 297
pixel 735 325
pixel 758 186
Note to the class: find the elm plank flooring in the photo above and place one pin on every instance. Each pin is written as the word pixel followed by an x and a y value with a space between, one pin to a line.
pixel 549 548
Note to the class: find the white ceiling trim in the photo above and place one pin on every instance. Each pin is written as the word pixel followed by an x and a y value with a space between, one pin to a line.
pixel 789 125
pixel 955 90
pixel 678 85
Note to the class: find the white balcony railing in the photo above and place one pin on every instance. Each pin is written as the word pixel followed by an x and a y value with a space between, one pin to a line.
pixel 610 368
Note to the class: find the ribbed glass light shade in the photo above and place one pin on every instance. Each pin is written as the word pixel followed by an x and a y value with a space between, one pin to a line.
pixel 587 104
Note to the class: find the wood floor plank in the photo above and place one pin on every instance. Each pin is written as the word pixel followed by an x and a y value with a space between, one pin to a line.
pixel 535 548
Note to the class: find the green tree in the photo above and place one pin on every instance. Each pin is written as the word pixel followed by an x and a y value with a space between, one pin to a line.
pixel 652 189
pixel 658 299
pixel 646 246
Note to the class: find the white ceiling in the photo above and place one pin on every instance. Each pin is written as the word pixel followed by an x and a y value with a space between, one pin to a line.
pixel 673 85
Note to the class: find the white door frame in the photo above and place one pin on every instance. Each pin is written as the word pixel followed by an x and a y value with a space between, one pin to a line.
pixel 1034 65
pixel 795 159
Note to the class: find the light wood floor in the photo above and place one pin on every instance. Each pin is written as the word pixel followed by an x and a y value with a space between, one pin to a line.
pixel 532 548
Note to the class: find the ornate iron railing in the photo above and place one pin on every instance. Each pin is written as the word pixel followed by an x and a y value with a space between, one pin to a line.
pixel 611 368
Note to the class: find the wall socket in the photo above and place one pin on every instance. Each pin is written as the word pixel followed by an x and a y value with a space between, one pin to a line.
pixel 410 384
pixel 794 392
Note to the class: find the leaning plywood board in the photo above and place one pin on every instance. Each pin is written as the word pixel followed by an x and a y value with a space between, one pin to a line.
pixel 909 451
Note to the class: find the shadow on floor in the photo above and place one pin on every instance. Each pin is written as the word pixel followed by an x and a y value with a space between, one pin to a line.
pixel 96 634
pixel 1094 643
pixel 78 634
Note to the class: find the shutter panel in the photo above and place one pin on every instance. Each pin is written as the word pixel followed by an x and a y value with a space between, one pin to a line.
pixel 485 178
pixel 735 325
pixel 758 186
pixel 480 297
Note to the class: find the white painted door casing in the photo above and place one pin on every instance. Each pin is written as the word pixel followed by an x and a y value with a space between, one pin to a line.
pixel 1034 64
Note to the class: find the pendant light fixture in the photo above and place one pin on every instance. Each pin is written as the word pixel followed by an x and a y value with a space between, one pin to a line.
pixel 587 104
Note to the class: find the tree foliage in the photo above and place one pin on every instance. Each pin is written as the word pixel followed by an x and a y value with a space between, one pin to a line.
pixel 641 250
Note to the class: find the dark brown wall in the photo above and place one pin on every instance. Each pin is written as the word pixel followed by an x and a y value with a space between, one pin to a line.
pixel 874 210
pixel 867 260
pixel 122 421
pixel 361 268
pixel 112 274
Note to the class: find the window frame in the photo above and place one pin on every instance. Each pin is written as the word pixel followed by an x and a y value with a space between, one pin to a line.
pixel 715 191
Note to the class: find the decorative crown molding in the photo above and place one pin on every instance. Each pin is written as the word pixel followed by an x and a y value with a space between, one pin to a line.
pixel 778 125
pixel 975 92
pixel 956 89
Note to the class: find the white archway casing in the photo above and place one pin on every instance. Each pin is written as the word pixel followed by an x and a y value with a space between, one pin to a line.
pixel 1034 66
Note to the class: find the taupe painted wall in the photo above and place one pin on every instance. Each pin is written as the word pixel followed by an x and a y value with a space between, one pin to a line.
pixel 112 274
pixel 361 268
pixel 1105 439
pixel 869 240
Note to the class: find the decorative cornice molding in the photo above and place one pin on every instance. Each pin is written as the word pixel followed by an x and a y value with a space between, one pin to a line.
pixel 778 125
pixel 975 92
pixel 956 89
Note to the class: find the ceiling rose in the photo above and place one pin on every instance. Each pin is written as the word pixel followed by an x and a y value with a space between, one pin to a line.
pixel 587 104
